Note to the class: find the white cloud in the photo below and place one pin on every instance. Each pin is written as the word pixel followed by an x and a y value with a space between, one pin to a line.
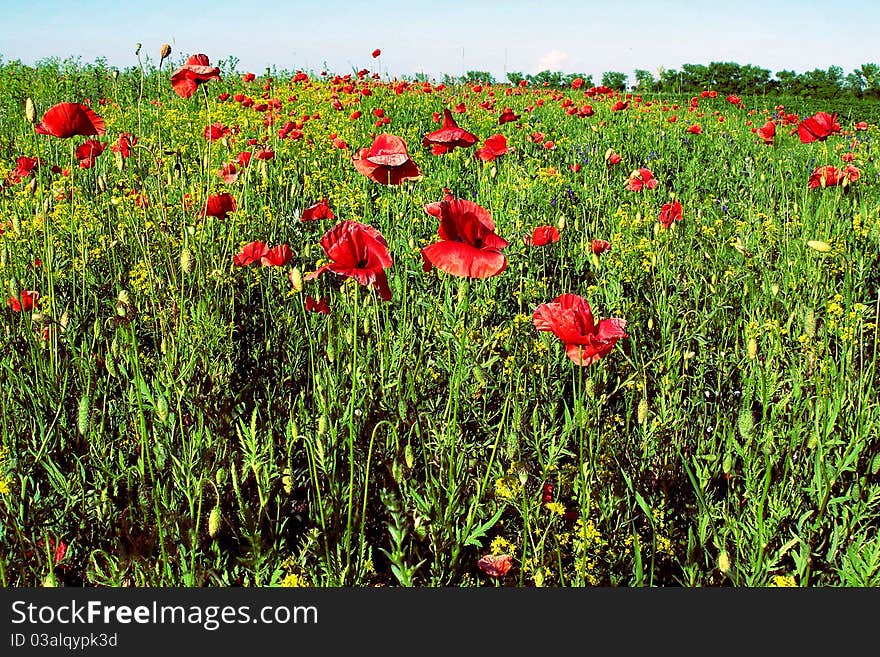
pixel 551 60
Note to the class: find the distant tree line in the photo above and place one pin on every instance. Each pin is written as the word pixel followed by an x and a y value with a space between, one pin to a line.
pixel 729 77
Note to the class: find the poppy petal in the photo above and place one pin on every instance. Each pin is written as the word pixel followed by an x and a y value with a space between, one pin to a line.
pixel 460 259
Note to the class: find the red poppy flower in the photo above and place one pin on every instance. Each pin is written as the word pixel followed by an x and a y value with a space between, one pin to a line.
pixel 695 129
pixel 670 213
pixel 248 77
pixel 861 125
pixel 124 143
pixel 818 127
pixel 450 136
pixel 196 71
pixel 494 146
pixel 357 251
pixel 219 205
pixel 314 306
pixel 244 159
pixel 619 106
pixel 28 301
pixel 386 161
pixel 543 235
pixel 319 210
pixel 468 244
pixel 848 157
pixel 734 100
pixel 507 116
pixel 600 246
pixel 58 549
pixel 767 132
pixel 24 166
pixel 434 209
pixel 612 158
pixel 830 176
pixel 577 83
pixel 265 154
pixel 68 119
pixel 376 53
pixel 229 173
pixel 216 131
pixel 87 152
pixel 570 318
pixel 495 565
pixel 250 253
pixel 641 179
pixel 277 256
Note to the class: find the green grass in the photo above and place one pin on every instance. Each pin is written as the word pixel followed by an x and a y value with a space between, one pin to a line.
pixel 177 420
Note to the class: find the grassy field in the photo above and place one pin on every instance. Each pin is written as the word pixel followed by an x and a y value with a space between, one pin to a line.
pixel 172 418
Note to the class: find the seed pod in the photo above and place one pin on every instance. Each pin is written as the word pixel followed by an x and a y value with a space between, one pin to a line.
pixel 214 521
pixel 164 51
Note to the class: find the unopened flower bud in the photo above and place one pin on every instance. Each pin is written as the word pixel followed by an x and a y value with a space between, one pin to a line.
pixel 30 113
pixel 214 521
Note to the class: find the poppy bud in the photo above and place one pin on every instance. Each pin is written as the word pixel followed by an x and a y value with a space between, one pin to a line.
pixel 322 424
pixel 186 261
pixel 642 412
pixel 30 113
pixel 810 324
pixel 49 581
pixel 164 51
pixel 32 187
pixel 161 409
pixel 220 476
pixel 408 456
pixel 296 279
pixel 214 521
pixel 102 184
pixel 137 49
pixel 82 416
pixel 752 348
pixel 745 423
pixel 590 388
pixel 821 247
pixel 724 562
pixel 287 480
pixel 115 74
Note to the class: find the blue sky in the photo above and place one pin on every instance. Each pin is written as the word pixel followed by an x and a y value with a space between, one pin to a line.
pixel 452 36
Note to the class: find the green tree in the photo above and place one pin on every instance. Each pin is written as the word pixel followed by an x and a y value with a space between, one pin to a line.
pixel 472 77
pixel 615 80
pixel 645 80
